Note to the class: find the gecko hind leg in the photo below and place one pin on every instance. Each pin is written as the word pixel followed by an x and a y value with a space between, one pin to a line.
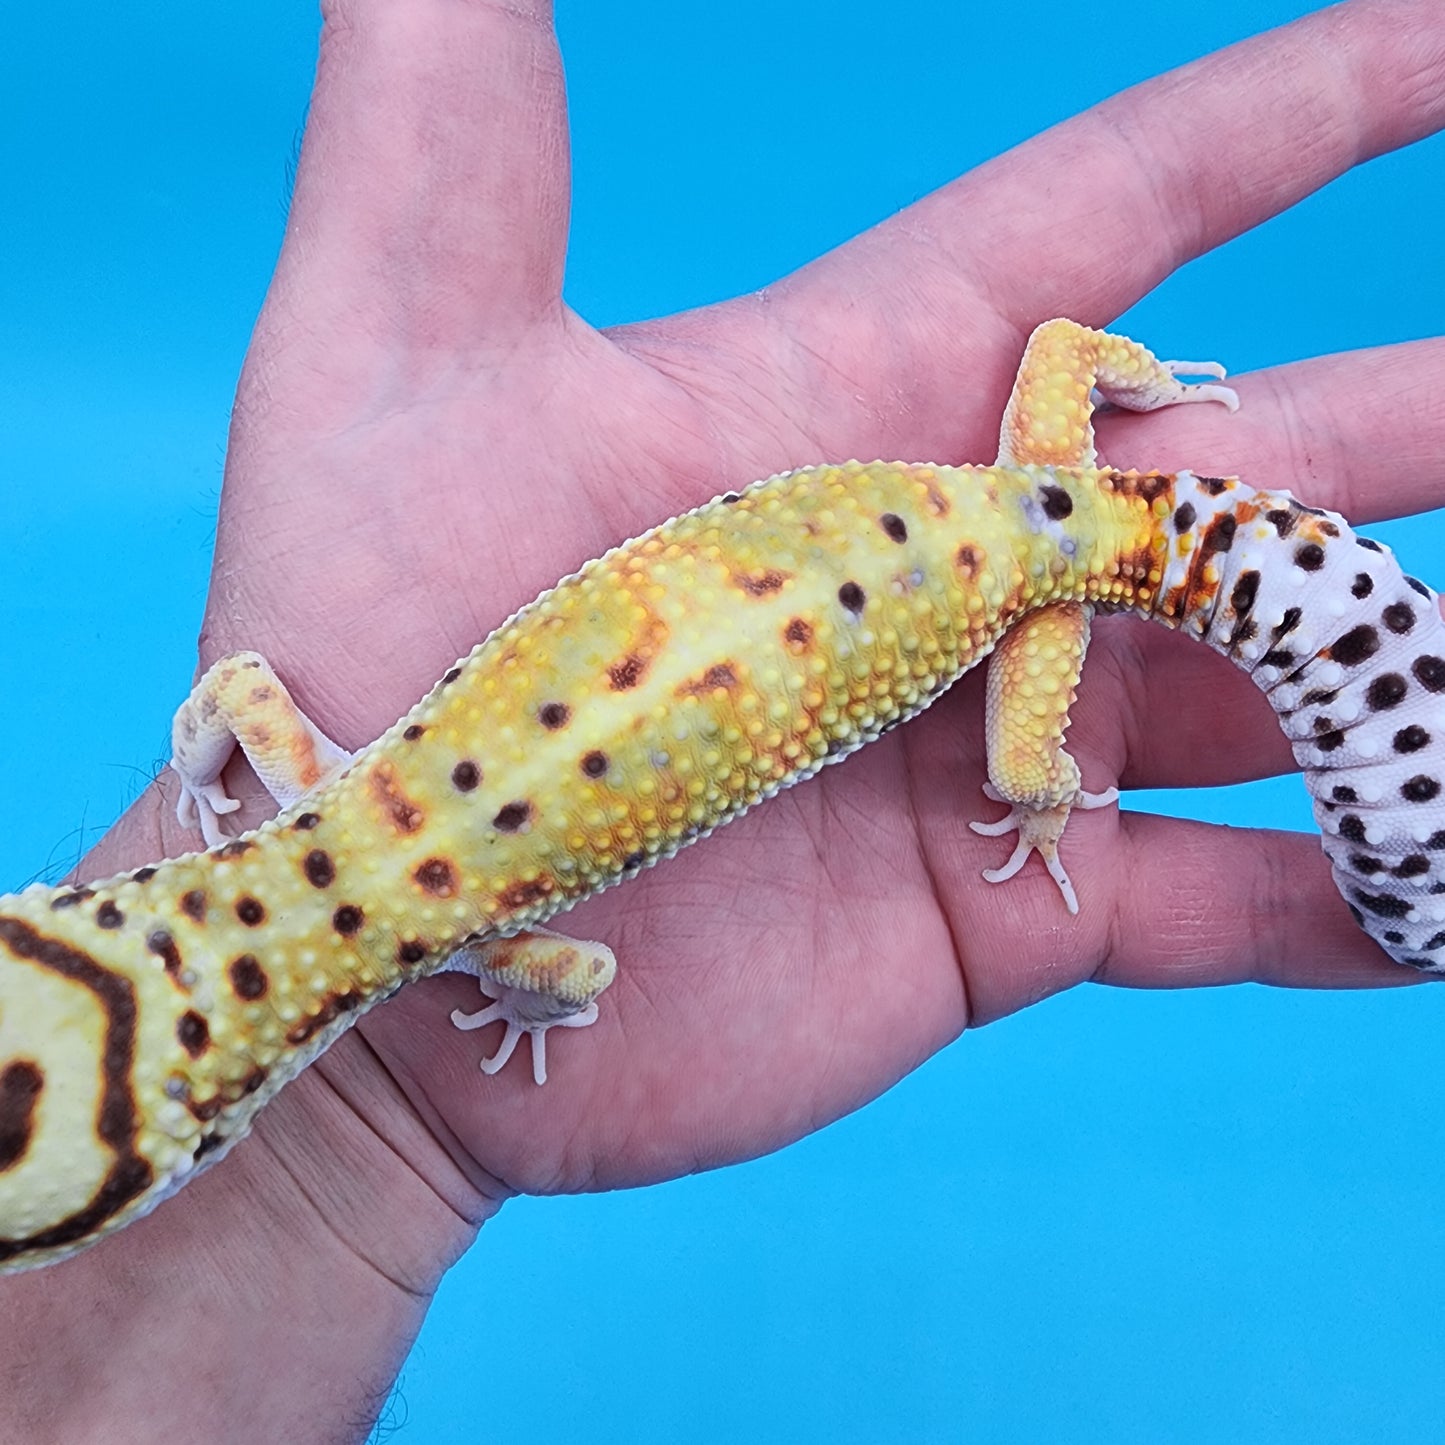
pixel 239 700
pixel 1032 678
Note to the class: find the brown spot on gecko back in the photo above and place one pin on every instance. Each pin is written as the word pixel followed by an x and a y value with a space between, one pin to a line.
pixel 798 632
pixel 405 815
pixel 250 911
pixel 193 1033
pixel 512 816
pixel 969 560
pixel 347 919
pixel 319 869
pixel 438 877
pixel 248 978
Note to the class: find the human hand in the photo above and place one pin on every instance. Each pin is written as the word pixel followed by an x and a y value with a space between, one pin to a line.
pixel 425 437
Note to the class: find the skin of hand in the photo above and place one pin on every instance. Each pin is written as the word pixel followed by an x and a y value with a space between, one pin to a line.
pixel 425 437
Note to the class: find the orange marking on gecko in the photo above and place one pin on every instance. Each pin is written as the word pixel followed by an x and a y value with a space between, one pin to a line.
pixel 719 675
pixel 633 665
pixel 405 815
pixel 760 584
pixel 524 894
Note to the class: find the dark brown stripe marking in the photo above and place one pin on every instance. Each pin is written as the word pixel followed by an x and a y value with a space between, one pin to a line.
pixel 20 1086
pixel 116 1124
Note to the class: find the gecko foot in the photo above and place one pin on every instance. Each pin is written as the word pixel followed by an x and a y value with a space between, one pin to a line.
pixel 201 805
pixel 512 1009
pixel 1039 831
pixel 537 980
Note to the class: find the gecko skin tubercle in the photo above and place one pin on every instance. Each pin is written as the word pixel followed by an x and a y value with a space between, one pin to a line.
pixel 656 694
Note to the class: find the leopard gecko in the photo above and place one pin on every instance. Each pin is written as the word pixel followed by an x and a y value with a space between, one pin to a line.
pixel 657 693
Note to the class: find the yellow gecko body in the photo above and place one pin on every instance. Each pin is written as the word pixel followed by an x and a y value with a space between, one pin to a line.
pixel 656 694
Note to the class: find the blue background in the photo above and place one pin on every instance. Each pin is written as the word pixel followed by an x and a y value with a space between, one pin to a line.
pixel 1115 1217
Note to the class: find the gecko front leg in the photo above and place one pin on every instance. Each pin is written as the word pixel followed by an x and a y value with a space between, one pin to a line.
pixel 239 700
pixel 538 980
